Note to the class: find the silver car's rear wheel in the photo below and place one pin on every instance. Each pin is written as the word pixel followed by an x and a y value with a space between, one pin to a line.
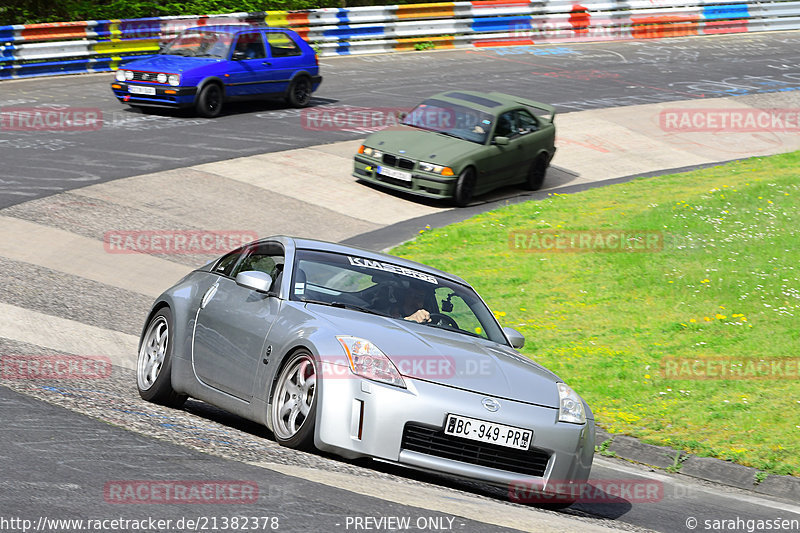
pixel 294 403
pixel 154 364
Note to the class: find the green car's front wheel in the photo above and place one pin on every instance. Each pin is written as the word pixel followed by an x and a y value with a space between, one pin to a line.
pixel 537 173
pixel 464 187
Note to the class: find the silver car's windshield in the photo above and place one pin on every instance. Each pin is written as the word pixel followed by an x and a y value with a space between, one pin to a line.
pixel 200 44
pixel 452 120
pixel 377 287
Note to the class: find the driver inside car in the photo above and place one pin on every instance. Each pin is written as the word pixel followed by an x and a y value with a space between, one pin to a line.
pixel 411 305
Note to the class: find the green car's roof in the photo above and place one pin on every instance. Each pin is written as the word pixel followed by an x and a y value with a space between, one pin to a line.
pixel 488 102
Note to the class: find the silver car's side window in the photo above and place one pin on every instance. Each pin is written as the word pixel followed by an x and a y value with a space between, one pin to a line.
pixel 267 258
pixel 226 264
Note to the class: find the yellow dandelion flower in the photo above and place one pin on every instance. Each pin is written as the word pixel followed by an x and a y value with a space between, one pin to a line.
pixel 692 320
pixel 720 317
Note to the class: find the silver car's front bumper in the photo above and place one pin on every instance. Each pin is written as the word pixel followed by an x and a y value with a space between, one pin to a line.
pixel 358 417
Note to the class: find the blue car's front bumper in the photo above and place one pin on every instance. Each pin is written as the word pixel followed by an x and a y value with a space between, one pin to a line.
pixel 165 95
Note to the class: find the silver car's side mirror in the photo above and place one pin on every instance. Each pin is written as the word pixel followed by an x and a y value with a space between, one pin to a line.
pixel 516 338
pixel 252 279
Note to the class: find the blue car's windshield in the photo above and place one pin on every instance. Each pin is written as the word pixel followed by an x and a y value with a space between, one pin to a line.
pixel 451 119
pixel 200 44
pixel 386 289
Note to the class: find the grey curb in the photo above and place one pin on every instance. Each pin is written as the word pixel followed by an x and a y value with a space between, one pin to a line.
pixel 705 468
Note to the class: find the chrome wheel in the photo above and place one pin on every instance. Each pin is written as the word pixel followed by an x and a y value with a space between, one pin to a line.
pixel 154 364
pixel 153 353
pixel 293 405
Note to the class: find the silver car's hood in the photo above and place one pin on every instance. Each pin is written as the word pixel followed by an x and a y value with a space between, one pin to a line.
pixel 449 358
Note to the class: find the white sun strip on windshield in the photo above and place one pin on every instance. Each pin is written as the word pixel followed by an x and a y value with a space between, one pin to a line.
pixel 388 267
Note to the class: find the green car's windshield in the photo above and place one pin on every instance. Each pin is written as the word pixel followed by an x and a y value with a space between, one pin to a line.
pixel 451 119
pixel 200 44
pixel 390 290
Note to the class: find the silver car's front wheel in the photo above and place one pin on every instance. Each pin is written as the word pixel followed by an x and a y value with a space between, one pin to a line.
pixel 294 404
pixel 154 365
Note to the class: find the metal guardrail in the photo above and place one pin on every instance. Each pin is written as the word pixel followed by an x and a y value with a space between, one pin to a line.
pixel 102 45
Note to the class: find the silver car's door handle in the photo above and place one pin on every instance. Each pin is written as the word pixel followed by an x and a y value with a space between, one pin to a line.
pixel 208 295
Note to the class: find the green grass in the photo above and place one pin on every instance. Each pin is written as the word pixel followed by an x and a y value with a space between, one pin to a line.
pixel 725 284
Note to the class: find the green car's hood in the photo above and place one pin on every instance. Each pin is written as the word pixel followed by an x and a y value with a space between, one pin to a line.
pixel 422 145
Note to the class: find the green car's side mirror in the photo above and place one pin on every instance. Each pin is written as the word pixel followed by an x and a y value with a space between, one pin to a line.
pixel 501 141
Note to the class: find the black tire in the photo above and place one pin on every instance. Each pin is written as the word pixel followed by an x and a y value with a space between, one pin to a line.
pixel 464 187
pixel 154 363
pixel 209 101
pixel 299 94
pixel 537 173
pixel 291 397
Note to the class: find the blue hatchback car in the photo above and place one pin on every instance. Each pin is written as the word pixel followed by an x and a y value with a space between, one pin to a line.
pixel 206 66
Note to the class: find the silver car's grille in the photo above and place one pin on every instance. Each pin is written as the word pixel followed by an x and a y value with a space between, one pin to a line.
pixel 433 441
pixel 399 162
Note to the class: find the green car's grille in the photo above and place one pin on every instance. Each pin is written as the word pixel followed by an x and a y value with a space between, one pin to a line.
pixel 399 162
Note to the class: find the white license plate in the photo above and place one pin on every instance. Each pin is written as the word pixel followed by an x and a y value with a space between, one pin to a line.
pixel 483 431
pixel 136 89
pixel 392 173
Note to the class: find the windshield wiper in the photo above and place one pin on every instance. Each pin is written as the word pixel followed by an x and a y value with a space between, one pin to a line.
pixel 343 305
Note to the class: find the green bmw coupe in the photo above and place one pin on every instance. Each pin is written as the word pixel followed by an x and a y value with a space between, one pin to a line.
pixel 458 144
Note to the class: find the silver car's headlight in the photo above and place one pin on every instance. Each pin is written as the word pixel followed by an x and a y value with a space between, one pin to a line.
pixel 570 405
pixel 120 75
pixel 368 361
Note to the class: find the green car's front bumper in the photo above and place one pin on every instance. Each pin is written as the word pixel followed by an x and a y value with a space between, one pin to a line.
pixel 421 183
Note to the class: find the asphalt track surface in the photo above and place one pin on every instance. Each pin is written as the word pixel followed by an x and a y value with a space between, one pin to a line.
pixel 572 77
pixel 41 474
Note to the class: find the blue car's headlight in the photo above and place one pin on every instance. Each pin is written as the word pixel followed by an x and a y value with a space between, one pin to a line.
pixel 174 79
pixel 120 75
pixel 570 405
pixel 366 360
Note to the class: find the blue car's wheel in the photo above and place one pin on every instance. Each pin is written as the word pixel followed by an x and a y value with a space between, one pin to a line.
pixel 209 101
pixel 299 92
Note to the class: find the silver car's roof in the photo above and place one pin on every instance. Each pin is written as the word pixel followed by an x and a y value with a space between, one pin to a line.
pixel 324 246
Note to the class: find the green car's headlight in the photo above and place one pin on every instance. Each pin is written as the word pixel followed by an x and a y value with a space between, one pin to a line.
pixel 436 169
pixel 366 150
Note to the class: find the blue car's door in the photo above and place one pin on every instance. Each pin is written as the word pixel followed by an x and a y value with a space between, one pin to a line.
pixel 249 68
pixel 232 326
pixel 285 58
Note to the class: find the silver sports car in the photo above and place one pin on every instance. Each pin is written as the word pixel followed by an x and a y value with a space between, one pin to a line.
pixel 365 355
